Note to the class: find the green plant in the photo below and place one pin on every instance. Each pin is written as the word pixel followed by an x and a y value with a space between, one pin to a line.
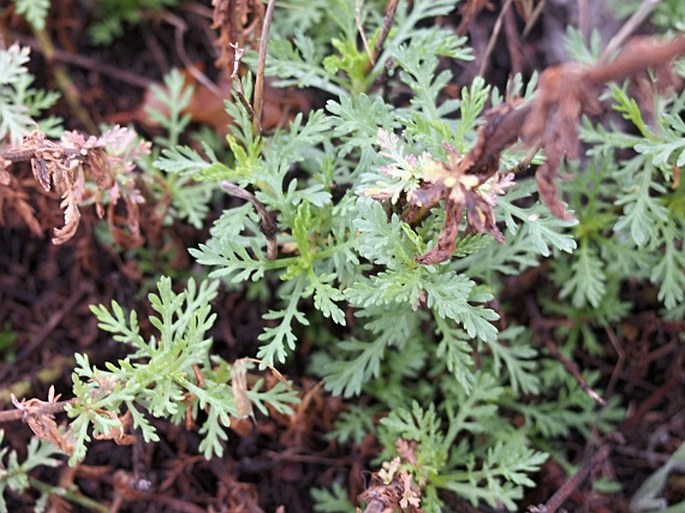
pixel 14 476
pixel 646 498
pixel 171 376
pixel 20 104
pixel 35 11
pixel 188 199
pixel 352 257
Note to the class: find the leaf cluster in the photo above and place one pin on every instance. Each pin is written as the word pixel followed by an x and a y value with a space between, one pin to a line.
pixel 171 375
pixel 14 475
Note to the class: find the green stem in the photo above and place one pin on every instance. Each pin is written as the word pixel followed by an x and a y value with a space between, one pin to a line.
pixel 69 495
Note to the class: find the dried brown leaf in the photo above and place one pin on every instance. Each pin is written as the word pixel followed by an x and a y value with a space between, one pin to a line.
pixel 391 490
pixel 71 197
pixel 43 424
pixel 239 385
pixel 236 20
pixel 406 449
pixel 447 240
pixel 5 177
pixel 16 198
pixel 563 95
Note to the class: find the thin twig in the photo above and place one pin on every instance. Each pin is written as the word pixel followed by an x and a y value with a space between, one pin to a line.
pixel 646 7
pixel 84 62
pixel 267 225
pixel 46 409
pixel 22 154
pixel 258 100
pixel 180 29
pixel 571 367
pixel 64 82
pixel 360 29
pixel 240 92
pixel 556 500
pixel 533 18
pixel 388 19
pixel 493 39
pixel 52 323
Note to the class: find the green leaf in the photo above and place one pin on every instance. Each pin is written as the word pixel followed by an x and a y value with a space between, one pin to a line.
pixel 234 263
pixel 387 327
pixel 35 11
pixel 448 294
pixel 646 498
pixel 641 210
pixel 331 501
pixel 519 357
pixel 669 272
pixel 454 349
pixel 588 282
pixel 278 340
pixel 174 97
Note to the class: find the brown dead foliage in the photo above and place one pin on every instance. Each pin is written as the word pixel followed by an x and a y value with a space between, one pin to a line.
pixel 236 20
pixel 15 198
pixel 81 170
pixel 391 489
pixel 563 95
pixel 42 421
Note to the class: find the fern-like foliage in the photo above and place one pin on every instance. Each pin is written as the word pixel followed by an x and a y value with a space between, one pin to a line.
pixel 35 11
pixel 20 104
pixel 160 376
pixel 633 211
pixel 14 475
pixel 346 275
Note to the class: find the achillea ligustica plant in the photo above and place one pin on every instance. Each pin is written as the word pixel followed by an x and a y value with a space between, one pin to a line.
pixel 383 232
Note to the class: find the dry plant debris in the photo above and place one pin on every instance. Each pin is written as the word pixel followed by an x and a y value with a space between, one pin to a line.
pixel 65 166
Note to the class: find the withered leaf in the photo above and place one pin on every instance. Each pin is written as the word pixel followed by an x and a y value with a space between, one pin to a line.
pixel 72 215
pixel 239 385
pixel 43 424
pixel 5 177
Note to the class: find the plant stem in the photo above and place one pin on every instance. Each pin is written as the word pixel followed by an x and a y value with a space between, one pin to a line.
pixel 69 495
pixel 71 93
pixel 258 101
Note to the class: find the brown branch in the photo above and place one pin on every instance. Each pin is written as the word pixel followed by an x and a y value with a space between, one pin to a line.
pixel 503 131
pixel 25 153
pixel 258 100
pixel 46 409
pixel 87 63
pixel 588 465
pixel 500 133
pixel 540 331
pixel 650 55
pixel 388 19
pixel 485 59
